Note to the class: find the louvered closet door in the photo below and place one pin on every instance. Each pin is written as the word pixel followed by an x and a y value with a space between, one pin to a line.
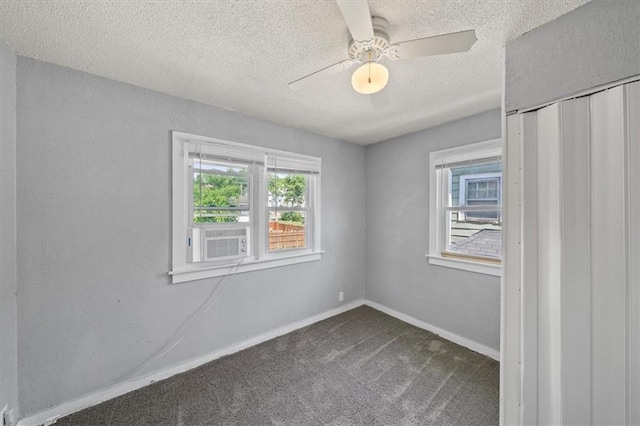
pixel 579 258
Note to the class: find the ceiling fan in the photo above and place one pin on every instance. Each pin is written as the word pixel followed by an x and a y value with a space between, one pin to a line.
pixel 370 44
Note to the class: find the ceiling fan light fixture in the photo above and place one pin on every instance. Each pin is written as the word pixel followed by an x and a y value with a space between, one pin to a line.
pixel 369 78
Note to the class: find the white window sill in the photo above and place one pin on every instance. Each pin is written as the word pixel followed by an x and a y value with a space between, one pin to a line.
pixel 236 267
pixel 466 265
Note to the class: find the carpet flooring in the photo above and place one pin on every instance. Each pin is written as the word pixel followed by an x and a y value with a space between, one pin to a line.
pixel 361 367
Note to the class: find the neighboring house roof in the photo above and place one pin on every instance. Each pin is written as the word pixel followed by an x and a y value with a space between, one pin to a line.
pixel 485 243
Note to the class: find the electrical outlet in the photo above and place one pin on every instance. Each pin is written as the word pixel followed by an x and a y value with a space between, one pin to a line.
pixel 340 296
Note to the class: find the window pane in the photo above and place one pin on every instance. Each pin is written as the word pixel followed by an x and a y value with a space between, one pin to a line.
pixel 216 186
pixel 217 215
pixel 287 190
pixel 482 189
pixel 286 230
pixel 287 204
pixel 474 237
pixel 482 216
pixel 470 183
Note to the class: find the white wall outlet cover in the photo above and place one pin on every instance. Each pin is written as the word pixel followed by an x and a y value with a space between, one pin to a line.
pixel 340 296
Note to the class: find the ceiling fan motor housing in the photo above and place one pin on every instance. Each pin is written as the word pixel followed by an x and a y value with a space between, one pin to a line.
pixel 378 46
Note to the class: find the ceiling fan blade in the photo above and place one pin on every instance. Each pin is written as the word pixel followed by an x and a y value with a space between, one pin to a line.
pixel 358 18
pixel 310 79
pixel 436 45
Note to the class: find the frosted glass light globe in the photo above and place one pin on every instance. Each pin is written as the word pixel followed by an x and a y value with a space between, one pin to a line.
pixel 370 78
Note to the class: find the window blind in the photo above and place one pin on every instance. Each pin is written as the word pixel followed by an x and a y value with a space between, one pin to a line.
pixel 294 165
pixel 446 163
pixel 225 152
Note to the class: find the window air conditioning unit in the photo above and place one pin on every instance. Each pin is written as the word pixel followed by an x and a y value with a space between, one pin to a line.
pixel 222 244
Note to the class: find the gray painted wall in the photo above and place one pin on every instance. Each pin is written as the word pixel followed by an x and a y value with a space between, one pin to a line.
pixel 593 45
pixel 398 274
pixel 8 314
pixel 94 222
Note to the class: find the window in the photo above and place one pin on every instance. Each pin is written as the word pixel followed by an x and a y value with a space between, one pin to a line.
pixel 479 190
pixel 465 207
pixel 238 207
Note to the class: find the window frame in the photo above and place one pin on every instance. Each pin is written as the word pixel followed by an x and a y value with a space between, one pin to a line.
pixel 439 183
pixel 308 209
pixel 259 257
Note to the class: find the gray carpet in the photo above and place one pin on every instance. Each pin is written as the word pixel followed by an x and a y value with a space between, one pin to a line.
pixel 361 367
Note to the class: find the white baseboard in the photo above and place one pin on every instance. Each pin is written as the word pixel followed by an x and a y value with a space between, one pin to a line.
pixel 49 416
pixel 462 341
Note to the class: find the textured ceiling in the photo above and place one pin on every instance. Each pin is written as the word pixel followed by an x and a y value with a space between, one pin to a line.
pixel 240 55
